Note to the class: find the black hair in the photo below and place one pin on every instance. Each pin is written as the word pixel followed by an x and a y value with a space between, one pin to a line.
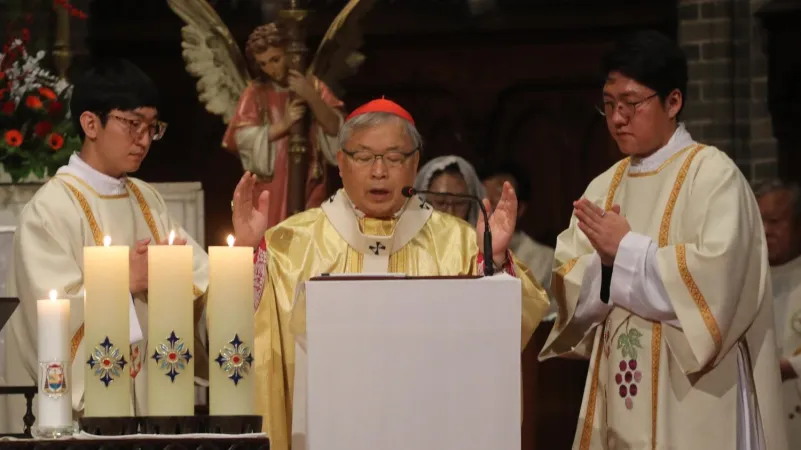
pixel 520 180
pixel 107 84
pixel 652 59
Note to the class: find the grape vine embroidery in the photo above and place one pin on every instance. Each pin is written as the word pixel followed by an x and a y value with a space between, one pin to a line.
pixel 628 375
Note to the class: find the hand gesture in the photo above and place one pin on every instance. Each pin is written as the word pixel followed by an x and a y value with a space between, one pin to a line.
pixel 604 229
pixel 502 222
pixel 300 85
pixel 250 223
pixel 138 267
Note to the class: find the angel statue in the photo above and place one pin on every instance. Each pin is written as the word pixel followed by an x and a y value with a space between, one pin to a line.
pixel 261 109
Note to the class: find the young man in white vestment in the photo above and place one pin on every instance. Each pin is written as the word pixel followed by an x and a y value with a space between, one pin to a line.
pixel 780 206
pixel 366 227
pixel 114 108
pixel 662 279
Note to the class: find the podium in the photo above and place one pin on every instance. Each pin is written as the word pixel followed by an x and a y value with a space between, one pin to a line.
pixel 397 363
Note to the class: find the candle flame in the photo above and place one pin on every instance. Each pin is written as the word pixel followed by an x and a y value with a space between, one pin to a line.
pixel 107 241
pixel 230 240
pixel 172 237
pixel 53 295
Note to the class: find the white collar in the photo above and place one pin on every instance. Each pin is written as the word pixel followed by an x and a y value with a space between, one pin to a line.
pixel 680 140
pixel 100 182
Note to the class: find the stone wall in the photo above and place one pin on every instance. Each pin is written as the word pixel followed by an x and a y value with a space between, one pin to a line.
pixel 727 94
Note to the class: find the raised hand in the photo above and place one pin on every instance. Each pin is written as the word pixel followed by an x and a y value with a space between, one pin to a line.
pixel 502 222
pixel 137 267
pixel 250 222
pixel 604 229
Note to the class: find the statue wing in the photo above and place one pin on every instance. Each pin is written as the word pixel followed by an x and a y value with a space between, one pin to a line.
pixel 337 56
pixel 212 56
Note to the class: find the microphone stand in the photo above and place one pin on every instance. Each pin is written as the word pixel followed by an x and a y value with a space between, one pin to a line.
pixel 489 264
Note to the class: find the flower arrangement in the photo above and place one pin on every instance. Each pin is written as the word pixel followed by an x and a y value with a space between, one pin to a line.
pixel 36 135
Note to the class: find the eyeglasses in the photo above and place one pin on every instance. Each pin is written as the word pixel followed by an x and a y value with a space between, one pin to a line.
pixel 137 127
pixel 627 108
pixel 392 158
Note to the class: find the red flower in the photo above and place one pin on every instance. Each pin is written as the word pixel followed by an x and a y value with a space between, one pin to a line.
pixel 26 35
pixel 54 108
pixel 33 102
pixel 55 141
pixel 9 107
pixel 47 93
pixel 3 92
pixel 13 138
pixel 42 128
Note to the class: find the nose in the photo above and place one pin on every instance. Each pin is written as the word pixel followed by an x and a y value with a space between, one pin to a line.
pixel 144 139
pixel 378 170
pixel 618 118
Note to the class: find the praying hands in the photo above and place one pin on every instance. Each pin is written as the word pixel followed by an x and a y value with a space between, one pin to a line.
pixel 604 229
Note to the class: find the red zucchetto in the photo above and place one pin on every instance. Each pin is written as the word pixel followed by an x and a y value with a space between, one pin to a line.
pixel 381 105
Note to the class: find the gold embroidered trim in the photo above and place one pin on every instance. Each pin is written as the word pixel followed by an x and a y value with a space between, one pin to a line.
pixel 87 186
pixel 661 166
pixel 558 287
pixel 586 432
pixel 610 195
pixel 97 233
pixel 151 223
pixel 656 349
pixel 664 227
pixel 97 236
pixel 698 297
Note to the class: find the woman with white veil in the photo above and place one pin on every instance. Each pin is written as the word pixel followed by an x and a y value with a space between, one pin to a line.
pixel 454 175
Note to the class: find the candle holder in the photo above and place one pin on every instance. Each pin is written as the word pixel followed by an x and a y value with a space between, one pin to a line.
pixel 55 404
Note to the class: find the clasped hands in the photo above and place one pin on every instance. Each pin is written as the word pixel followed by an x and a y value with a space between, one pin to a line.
pixel 138 262
pixel 604 229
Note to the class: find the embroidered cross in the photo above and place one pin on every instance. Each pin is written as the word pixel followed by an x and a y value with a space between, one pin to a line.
pixel 424 205
pixel 377 247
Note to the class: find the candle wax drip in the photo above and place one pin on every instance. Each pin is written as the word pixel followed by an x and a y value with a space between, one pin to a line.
pixel 107 362
pixel 235 360
pixel 172 356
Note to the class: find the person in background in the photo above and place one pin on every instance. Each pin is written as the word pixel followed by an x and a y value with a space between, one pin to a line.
pixel 780 207
pixel 453 175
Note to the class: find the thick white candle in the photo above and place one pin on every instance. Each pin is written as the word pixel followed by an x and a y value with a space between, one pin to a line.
pixel 54 399
pixel 170 362
pixel 230 313
pixel 107 346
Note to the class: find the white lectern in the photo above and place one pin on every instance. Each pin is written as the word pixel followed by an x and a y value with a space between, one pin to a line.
pixel 399 363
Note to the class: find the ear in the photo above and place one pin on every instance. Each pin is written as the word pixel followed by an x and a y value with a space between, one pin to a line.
pixel 341 161
pixel 90 124
pixel 674 103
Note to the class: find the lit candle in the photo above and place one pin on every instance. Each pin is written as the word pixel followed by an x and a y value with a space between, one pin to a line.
pixel 107 346
pixel 230 318
pixel 171 353
pixel 54 378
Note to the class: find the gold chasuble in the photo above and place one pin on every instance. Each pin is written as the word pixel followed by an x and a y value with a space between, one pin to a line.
pixel 710 379
pixel 74 209
pixel 337 238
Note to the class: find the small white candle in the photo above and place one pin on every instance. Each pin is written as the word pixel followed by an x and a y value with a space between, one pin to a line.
pixel 107 338
pixel 54 399
pixel 230 313
pixel 171 358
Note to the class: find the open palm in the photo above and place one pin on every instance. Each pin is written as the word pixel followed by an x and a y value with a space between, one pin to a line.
pixel 502 222
pixel 250 222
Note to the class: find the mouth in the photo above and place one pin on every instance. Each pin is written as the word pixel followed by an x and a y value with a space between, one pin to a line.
pixel 137 156
pixel 379 194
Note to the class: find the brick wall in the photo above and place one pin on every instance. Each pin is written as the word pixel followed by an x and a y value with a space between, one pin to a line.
pixel 727 94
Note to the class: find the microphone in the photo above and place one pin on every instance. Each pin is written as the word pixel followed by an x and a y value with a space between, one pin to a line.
pixel 489 265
